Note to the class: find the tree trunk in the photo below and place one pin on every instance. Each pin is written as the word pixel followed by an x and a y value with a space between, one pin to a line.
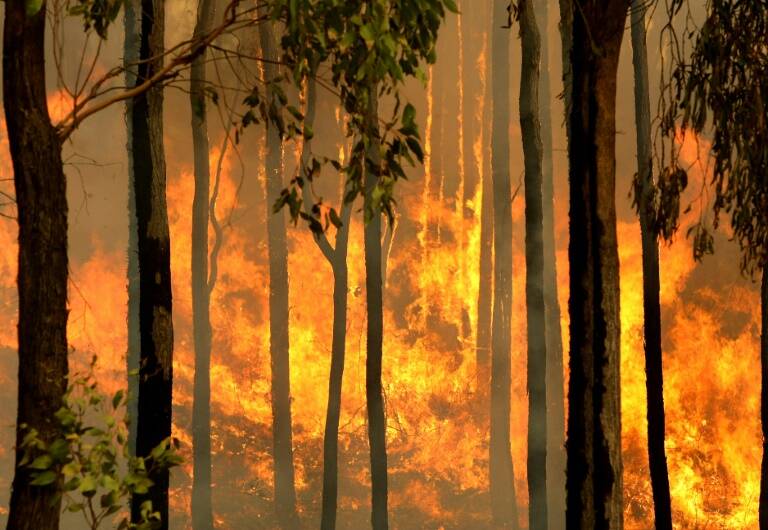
pixel 375 336
pixel 502 483
pixel 130 61
pixel 41 200
pixel 202 508
pixel 338 351
pixel 654 381
pixel 155 308
pixel 485 287
pixel 530 127
pixel 554 344
pixel 282 436
pixel 566 39
pixel 337 257
pixel 473 22
pixel 763 510
pixel 594 481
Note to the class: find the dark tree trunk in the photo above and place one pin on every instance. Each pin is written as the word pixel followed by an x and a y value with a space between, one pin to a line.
pixel 502 477
pixel 41 200
pixel 338 350
pixel 763 510
pixel 282 436
pixel 654 381
pixel 155 320
pixel 202 508
pixel 337 258
pixel 594 478
pixel 530 127
pixel 554 344
pixel 130 61
pixel 375 336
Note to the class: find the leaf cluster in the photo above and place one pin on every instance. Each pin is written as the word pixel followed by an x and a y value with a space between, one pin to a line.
pixel 90 465
pixel 368 49
pixel 721 90
pixel 96 14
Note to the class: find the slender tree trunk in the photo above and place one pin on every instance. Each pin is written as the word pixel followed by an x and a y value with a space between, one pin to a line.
pixel 503 499
pixel 202 508
pixel 554 344
pixel 130 61
pixel 485 289
pixel 566 38
pixel 436 163
pixel 155 307
pixel 471 109
pixel 282 436
pixel 594 478
pixel 375 336
pixel 337 258
pixel 338 351
pixel 763 509
pixel 654 381
pixel 530 127
pixel 41 200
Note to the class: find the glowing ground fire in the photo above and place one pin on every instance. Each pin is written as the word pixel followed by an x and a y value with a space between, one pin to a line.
pixel 437 438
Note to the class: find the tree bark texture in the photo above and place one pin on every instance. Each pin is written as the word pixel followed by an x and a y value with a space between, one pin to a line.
pixel 132 43
pixel 530 127
pixel 41 200
pixel 654 376
pixel 594 468
pixel 375 336
pixel 202 507
pixel 282 435
pixel 485 288
pixel 554 342
pixel 154 247
pixel 502 477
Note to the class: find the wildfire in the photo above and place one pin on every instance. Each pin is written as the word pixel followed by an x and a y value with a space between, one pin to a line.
pixel 437 448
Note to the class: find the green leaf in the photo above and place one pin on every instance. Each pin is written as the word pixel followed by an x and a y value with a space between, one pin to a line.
pixel 33 7
pixel 117 399
pixel 368 34
pixel 42 462
pixel 88 486
pixel 44 479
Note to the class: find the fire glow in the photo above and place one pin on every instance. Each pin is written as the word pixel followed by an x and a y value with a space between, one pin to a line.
pixel 437 447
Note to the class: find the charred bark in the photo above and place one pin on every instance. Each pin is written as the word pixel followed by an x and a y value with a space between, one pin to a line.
pixel 530 127
pixel 554 342
pixel 594 469
pixel 202 507
pixel 155 298
pixel 654 382
pixel 130 60
pixel 502 477
pixel 375 334
pixel 41 200
pixel 282 434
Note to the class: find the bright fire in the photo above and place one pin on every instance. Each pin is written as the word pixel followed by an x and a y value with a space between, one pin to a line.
pixel 437 449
